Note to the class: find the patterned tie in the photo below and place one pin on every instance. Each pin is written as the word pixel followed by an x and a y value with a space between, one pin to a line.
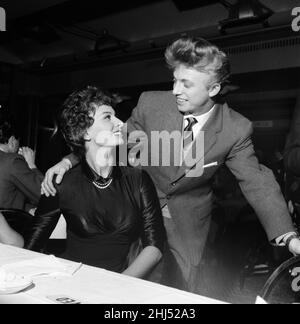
pixel 188 133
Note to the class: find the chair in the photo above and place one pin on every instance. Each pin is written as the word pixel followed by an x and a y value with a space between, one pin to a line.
pixel 22 222
pixel 283 286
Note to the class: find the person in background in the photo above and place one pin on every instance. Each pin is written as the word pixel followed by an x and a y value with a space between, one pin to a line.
pixel 20 180
pixel 194 108
pixel 8 235
pixel 107 208
pixel 291 159
pixel 292 147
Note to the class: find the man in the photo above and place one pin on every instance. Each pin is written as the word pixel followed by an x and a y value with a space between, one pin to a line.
pixel 292 148
pixel 291 158
pixel 200 71
pixel 20 180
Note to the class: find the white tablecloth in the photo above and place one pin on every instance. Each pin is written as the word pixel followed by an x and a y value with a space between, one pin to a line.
pixel 93 286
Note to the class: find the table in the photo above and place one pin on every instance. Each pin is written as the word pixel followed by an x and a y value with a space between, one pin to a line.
pixel 93 285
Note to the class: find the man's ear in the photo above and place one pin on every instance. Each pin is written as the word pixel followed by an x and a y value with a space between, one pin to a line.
pixel 214 90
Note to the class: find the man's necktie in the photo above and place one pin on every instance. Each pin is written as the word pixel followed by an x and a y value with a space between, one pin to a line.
pixel 188 132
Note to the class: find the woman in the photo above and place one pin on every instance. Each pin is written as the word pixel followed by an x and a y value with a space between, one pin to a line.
pixel 107 208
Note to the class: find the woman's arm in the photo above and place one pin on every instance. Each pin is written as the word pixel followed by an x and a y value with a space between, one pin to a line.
pixel 44 222
pixel 8 235
pixel 144 262
pixel 153 232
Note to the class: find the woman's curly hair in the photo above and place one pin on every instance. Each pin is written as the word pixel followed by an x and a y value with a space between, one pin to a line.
pixel 77 115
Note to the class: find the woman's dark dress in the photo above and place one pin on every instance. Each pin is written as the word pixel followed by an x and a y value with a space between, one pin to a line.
pixel 101 223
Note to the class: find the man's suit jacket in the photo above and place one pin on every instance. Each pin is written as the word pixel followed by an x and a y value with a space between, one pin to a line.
pixel 20 186
pixel 292 145
pixel 189 199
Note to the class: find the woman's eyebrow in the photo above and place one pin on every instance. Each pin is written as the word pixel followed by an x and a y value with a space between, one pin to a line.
pixel 108 112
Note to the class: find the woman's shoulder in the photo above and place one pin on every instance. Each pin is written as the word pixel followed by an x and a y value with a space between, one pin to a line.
pixel 128 171
pixel 134 175
pixel 71 177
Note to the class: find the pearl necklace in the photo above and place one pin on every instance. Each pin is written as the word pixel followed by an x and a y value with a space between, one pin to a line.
pixel 102 185
pixel 103 182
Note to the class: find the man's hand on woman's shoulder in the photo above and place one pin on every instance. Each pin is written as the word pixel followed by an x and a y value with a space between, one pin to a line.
pixel 59 170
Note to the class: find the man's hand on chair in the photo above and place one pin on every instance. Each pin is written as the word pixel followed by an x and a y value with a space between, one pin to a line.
pixel 294 246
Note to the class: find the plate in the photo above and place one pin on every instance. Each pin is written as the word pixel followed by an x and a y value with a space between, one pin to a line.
pixel 15 286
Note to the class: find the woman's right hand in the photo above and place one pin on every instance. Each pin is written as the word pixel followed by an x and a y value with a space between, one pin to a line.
pixel 58 169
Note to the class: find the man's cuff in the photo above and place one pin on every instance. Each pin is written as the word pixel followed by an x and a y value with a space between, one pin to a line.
pixel 281 240
pixel 68 162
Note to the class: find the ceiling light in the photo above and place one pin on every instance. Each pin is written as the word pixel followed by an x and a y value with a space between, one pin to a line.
pixel 243 13
pixel 108 43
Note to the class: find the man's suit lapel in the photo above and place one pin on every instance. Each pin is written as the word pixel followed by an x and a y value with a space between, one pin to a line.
pixel 210 129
